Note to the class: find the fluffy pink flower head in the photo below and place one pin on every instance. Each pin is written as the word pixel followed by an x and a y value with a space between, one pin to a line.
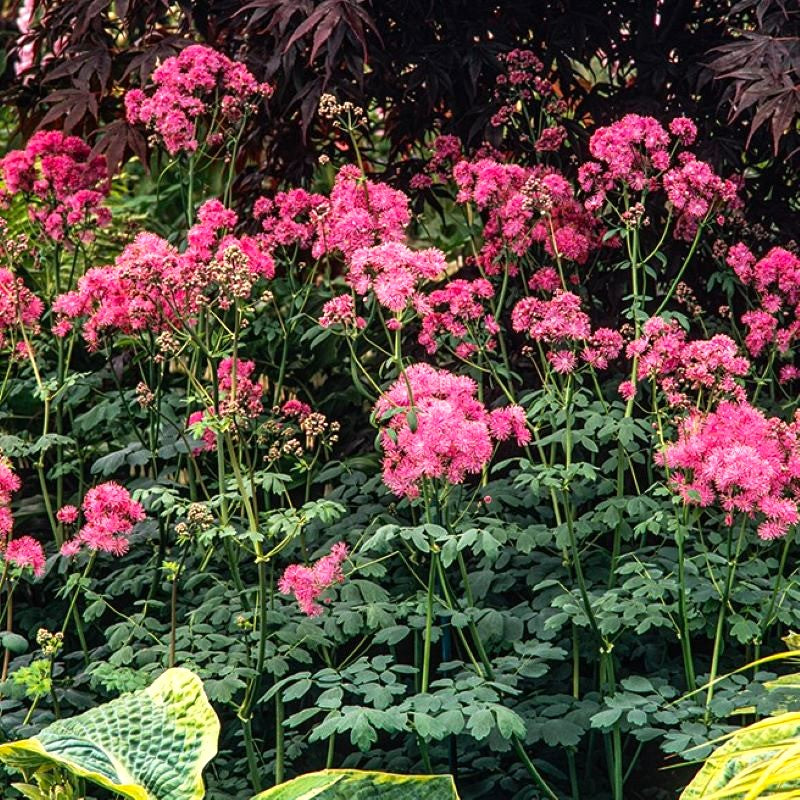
pixel 9 483
pixel 393 272
pixel 684 129
pixel 695 191
pixel 307 584
pixel 435 428
pixel 456 310
pixel 25 553
pixel 110 515
pixel 776 281
pixel 360 213
pixel 67 515
pixel 241 394
pixel 196 86
pixel 741 460
pixel 63 182
pixel 19 307
pixel 341 310
pixel 142 291
pixel 629 151
pixel 678 365
pixel 551 321
pixel 292 217
pixel 153 287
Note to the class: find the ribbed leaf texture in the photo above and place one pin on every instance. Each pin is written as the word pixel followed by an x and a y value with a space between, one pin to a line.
pixel 146 745
pixel 759 761
pixel 346 784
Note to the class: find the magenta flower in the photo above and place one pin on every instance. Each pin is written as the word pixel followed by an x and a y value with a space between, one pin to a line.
pixel 185 87
pixel 440 431
pixel 24 553
pixel 741 460
pixel 65 184
pixel 110 515
pixel 307 584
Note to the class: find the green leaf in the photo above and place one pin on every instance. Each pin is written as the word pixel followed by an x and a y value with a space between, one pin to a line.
pixel 147 745
pixel 757 761
pixel 13 642
pixel 345 784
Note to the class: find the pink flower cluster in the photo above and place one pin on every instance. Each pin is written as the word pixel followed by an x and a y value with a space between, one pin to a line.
pixel 776 280
pixel 393 272
pixel 522 80
pixel 359 213
pixel 341 310
pixel 153 287
pixel 457 310
pixel 739 458
pixel 695 190
pixel 523 207
pixel 307 584
pixel 19 307
pixel 561 323
pixel 65 185
pixel 635 152
pixel 9 483
pixel 239 397
pixel 198 85
pixel 447 152
pixel 435 428
pixel 109 517
pixel 25 553
pixel 678 365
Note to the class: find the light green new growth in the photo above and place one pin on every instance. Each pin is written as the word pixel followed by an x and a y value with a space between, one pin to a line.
pixel 146 745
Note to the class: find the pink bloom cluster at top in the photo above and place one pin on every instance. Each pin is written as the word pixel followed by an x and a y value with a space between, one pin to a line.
pixel 457 310
pixel 9 483
pixel 359 213
pixel 341 310
pixel 393 272
pixel 635 152
pixel 19 307
pixel 521 79
pixel 677 365
pixel 437 429
pixel 776 280
pixel 561 323
pixel 695 190
pixel 109 516
pixel 153 287
pixel 184 89
pixel 742 460
pixel 308 583
pixel 526 206
pixel 26 552
pixel 64 183
pixel 240 396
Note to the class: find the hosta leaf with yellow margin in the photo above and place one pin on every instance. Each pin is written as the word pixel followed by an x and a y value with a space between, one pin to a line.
pixel 759 761
pixel 351 784
pixel 146 745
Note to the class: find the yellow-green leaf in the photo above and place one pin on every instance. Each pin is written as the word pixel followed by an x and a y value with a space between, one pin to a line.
pixel 351 784
pixel 146 745
pixel 759 761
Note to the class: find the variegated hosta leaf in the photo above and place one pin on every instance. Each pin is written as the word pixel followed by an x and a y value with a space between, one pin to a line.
pixel 146 745
pixel 759 761
pixel 351 784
